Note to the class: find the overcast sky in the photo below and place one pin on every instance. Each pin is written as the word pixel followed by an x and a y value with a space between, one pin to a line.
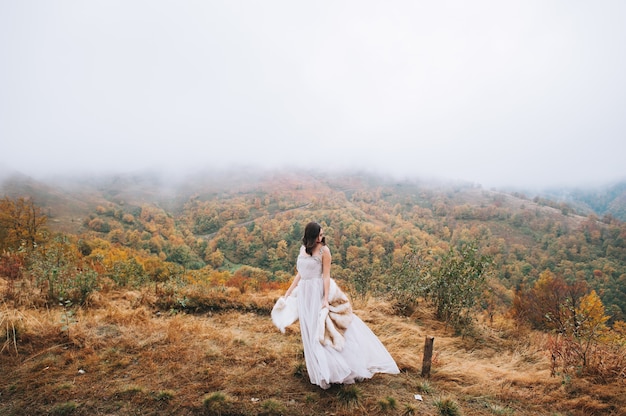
pixel 521 93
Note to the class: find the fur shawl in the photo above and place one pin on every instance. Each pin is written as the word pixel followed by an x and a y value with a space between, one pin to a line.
pixel 332 321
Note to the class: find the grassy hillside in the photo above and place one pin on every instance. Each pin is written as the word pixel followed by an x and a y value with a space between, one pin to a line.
pixel 125 354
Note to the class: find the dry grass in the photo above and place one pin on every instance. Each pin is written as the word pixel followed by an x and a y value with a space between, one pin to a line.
pixel 124 355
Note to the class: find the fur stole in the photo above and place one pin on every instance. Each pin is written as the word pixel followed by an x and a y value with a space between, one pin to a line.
pixel 334 320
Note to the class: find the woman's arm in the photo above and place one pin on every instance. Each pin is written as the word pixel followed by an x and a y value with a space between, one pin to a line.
pixel 326 260
pixel 293 285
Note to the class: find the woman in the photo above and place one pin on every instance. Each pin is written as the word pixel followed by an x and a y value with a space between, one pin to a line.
pixel 362 355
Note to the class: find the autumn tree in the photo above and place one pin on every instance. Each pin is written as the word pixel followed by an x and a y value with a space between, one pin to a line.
pixel 583 343
pixel 248 278
pixel 21 222
pixel 184 256
pixel 277 256
pixel 11 267
pixel 119 264
pixel 549 303
pixel 541 305
pixel 214 258
pixel 589 324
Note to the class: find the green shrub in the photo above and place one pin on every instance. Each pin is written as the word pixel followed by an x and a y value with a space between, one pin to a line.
pixel 409 410
pixel 63 409
pixel 349 395
pixel 272 407
pixel 127 273
pixel 447 407
pixel 164 396
pixel 60 272
pixel 388 403
pixel 299 370
pixel 216 403
pixel 425 387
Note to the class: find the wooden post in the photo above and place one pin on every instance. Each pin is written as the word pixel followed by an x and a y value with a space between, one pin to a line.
pixel 428 356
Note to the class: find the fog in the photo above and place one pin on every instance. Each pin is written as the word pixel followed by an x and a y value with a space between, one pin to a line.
pixel 515 93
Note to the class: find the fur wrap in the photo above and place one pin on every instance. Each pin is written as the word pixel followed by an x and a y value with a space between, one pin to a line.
pixel 332 321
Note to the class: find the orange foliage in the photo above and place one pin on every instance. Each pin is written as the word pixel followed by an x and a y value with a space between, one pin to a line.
pixel 21 221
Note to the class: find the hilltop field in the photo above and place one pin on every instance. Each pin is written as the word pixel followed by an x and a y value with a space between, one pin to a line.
pixel 132 295
pixel 124 355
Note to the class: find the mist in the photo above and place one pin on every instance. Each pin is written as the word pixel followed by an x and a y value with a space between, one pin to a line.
pixel 521 93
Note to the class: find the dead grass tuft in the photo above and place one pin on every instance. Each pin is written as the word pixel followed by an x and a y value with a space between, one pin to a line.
pixel 11 324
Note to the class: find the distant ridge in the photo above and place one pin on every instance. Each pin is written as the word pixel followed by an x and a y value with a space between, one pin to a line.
pixel 69 198
pixel 65 208
pixel 608 200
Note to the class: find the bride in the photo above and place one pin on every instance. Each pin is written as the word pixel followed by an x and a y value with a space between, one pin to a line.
pixel 351 352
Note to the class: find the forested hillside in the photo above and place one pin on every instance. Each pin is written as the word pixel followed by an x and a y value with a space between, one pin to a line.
pixel 215 223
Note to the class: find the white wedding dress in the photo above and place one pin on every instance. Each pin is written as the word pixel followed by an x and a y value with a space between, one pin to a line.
pixel 363 354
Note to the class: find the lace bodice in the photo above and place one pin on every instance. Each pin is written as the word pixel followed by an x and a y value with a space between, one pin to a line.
pixel 309 267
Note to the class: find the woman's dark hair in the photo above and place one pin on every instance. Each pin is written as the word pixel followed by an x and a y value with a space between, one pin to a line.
pixel 311 232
